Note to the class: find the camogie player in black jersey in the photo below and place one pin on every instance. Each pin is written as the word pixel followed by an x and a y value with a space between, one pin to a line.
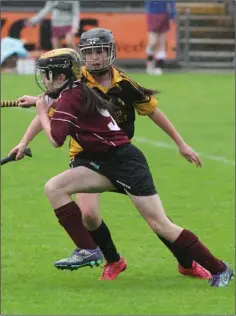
pixel 97 50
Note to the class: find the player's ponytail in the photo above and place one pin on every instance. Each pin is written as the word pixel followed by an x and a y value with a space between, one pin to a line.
pixel 148 92
pixel 91 100
pixel 143 91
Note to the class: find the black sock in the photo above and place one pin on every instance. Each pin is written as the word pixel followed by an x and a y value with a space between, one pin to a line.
pixel 102 238
pixel 150 57
pixel 159 63
pixel 185 261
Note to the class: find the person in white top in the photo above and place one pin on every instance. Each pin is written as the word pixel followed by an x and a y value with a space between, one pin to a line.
pixel 64 21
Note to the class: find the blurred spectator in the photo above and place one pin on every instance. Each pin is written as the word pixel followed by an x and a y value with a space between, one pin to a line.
pixel 11 50
pixel 158 15
pixel 231 8
pixel 64 21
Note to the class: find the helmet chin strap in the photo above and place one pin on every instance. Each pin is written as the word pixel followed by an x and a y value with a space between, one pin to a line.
pixel 99 72
pixel 103 70
pixel 54 94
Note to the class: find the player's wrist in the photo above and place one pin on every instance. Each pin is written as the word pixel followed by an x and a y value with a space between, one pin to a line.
pixel 180 142
pixel 23 143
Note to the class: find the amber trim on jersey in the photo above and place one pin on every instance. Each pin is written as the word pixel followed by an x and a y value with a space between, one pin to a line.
pixel 116 77
pixel 143 107
pixel 51 112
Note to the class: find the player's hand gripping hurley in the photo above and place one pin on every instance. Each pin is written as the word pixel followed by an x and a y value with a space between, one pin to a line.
pixel 14 103
pixel 12 157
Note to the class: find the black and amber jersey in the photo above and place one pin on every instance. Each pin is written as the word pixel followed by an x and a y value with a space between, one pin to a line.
pixel 125 97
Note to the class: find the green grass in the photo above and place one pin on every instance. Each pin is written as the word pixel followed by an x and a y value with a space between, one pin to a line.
pixel 202 108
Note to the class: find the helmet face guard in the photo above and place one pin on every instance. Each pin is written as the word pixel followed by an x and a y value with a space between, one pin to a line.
pixel 97 50
pixel 51 65
pixel 97 58
pixel 46 79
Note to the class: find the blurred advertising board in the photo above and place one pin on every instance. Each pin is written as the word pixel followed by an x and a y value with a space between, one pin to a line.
pixel 129 29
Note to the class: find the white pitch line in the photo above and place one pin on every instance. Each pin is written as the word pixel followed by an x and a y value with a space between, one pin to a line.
pixel 29 110
pixel 166 145
pixel 161 144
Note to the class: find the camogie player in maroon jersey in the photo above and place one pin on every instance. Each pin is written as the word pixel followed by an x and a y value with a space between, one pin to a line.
pixel 109 163
pixel 97 50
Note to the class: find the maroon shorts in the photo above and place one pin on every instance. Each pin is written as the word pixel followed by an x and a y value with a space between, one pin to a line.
pixel 60 31
pixel 158 23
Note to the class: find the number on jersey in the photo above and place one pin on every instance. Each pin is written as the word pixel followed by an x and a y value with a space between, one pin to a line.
pixel 112 125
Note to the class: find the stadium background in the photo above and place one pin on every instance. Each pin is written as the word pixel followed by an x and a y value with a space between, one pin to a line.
pixel 201 106
pixel 201 36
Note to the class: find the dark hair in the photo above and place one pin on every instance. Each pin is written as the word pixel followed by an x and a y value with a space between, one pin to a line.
pixel 144 91
pixel 92 101
pixel 147 92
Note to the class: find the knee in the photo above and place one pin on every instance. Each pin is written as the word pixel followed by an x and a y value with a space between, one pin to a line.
pixel 68 41
pixel 69 38
pixel 150 49
pixel 159 226
pixel 50 188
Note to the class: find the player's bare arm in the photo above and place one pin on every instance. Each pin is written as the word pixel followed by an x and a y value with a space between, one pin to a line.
pixel 32 131
pixel 43 108
pixel 160 119
pixel 26 100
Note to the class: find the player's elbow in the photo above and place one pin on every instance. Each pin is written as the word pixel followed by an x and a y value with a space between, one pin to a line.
pixel 56 141
pixel 55 144
pixel 154 113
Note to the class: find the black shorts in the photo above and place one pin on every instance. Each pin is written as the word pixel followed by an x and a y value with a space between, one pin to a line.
pixel 125 166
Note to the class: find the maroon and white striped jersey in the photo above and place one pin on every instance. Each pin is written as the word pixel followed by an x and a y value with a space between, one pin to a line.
pixel 94 132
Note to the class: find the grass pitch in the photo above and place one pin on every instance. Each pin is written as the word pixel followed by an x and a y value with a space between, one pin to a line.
pixel 202 108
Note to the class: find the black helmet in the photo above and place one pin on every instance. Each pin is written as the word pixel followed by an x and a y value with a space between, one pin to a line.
pixel 93 43
pixel 58 61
